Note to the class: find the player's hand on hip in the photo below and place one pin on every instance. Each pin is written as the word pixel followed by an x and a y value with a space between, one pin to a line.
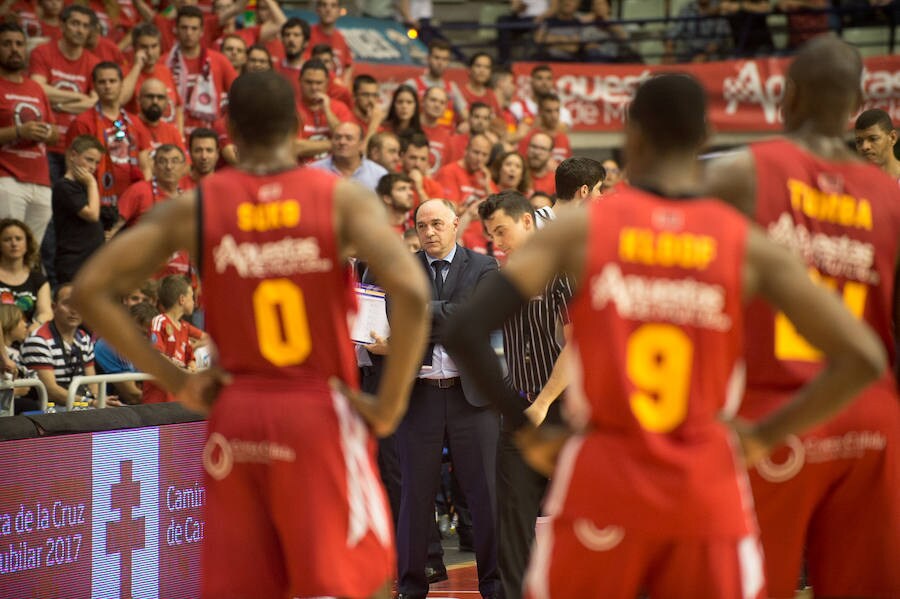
pixel 540 447
pixel 753 448
pixel 201 389
pixel 364 403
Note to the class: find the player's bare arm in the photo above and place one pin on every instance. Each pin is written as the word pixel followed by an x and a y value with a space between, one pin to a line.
pixel 122 265
pixel 854 356
pixel 363 227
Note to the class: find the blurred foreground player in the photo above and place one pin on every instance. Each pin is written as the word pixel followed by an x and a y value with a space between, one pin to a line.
pixel 651 496
pixel 836 489
pixel 294 503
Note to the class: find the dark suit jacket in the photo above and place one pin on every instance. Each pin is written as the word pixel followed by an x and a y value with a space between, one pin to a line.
pixel 466 271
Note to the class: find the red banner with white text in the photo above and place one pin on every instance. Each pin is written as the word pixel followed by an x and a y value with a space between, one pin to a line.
pixel 744 95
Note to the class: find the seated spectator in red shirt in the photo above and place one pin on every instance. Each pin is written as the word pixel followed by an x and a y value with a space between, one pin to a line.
pixel 76 208
pixel 403 113
pixel 438 60
pixel 336 88
pixel 258 59
pixel 395 190
pixel 319 114
pixel 269 18
pixel 367 108
pixel 234 48
pixel 434 103
pixel 202 75
pixel 294 36
pixel 468 179
pixel 414 153
pixel 126 140
pixel 326 32
pixel 204 153
pixel 47 25
pixel 168 168
pixel 168 333
pixel 26 126
pixel 384 148
pixel 102 47
pixel 145 39
pixel 548 122
pixel 479 122
pixel 153 102
pixel 539 154
pixel 510 172
pixel 477 88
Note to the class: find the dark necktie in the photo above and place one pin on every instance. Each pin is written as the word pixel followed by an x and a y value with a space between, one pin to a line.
pixel 438 266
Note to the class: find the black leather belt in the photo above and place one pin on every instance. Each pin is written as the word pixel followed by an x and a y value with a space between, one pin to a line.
pixel 440 383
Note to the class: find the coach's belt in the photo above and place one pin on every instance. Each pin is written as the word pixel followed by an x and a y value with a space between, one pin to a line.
pixel 441 383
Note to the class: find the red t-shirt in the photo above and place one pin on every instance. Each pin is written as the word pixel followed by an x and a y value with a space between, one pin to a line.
pixel 159 71
pixel 668 331
pixel 24 160
pixel 545 183
pixel 119 166
pixel 139 199
pixel 338 91
pixel 434 190
pixel 172 340
pixel 461 186
pixel 62 73
pixel 486 97
pixel 343 59
pixel 449 118
pixel 562 149
pixel 283 318
pixel 164 133
pixel 217 74
pixel 166 25
pixel 314 125
pixel 439 138
pixel 843 220
pixel 107 51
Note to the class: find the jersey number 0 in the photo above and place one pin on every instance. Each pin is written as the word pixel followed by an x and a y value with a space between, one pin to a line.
pixel 282 328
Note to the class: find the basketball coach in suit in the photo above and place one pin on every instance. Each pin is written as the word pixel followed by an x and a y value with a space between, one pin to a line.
pixel 442 403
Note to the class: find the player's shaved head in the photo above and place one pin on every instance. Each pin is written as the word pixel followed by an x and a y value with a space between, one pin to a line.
pixel 823 86
pixel 669 111
pixel 261 108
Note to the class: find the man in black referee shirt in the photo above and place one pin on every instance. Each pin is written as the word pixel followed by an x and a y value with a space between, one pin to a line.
pixel 538 371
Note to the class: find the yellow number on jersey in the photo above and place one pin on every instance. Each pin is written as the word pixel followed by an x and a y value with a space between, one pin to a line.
pixel 281 326
pixel 790 345
pixel 659 359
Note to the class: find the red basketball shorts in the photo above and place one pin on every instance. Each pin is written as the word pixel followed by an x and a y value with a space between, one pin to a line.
pixel 295 507
pixel 579 557
pixel 835 493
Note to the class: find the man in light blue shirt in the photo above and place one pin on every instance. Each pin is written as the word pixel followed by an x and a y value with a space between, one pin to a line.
pixel 347 158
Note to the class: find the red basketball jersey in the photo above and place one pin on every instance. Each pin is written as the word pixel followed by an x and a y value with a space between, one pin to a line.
pixel 658 328
pixel 843 220
pixel 271 261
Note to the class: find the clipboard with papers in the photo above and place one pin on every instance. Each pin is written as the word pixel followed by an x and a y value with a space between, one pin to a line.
pixel 371 315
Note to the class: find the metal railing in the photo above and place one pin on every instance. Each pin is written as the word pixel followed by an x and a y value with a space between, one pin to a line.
pixel 102 380
pixel 20 384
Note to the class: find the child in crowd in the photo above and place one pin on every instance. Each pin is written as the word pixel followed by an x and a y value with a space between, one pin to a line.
pixel 76 208
pixel 15 329
pixel 168 333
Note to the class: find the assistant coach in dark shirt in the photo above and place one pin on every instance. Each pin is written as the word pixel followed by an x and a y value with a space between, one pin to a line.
pixel 76 208
pixel 538 372
pixel 442 404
